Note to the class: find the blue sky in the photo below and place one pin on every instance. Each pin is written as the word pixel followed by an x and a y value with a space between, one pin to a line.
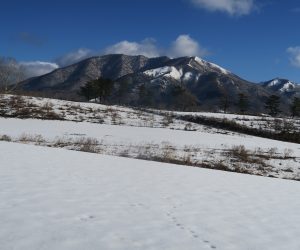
pixel 256 39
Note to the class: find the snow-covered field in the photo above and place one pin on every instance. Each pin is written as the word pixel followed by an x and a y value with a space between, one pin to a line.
pixel 59 199
pixel 54 198
pixel 142 142
pixel 127 132
pixel 262 122
pixel 35 107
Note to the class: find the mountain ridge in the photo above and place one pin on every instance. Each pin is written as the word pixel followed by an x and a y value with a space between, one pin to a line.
pixel 205 81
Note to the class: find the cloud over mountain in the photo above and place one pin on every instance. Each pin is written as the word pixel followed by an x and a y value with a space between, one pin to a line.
pixel 74 56
pixel 37 68
pixel 184 45
pixel 147 48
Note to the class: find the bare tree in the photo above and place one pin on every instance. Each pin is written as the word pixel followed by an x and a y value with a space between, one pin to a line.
pixel 11 72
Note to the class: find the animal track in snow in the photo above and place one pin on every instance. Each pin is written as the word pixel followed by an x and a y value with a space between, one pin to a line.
pixel 193 233
pixel 86 217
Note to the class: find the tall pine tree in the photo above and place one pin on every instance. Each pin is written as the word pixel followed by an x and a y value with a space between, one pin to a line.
pixel 272 105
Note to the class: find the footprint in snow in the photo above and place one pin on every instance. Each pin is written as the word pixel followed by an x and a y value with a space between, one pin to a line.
pixel 87 217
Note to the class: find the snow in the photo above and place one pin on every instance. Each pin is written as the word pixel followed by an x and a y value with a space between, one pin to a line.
pixel 167 71
pixel 224 71
pixel 197 77
pixel 128 134
pixel 287 87
pixel 200 61
pixel 209 64
pixel 275 82
pixel 173 72
pixel 188 76
pixel 263 122
pixel 152 135
pixel 59 199
pixel 115 139
pixel 97 113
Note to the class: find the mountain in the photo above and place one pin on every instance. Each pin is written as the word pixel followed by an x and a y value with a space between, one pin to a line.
pixel 179 83
pixel 283 87
pixel 206 84
pixel 70 78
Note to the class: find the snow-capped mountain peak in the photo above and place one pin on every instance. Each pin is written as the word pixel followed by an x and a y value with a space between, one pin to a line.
pixel 274 82
pixel 185 69
pixel 281 85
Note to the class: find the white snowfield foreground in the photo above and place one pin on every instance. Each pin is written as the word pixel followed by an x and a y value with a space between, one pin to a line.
pixel 115 138
pixel 59 199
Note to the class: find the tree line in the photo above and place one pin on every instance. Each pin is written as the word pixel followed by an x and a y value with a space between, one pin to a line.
pixel 101 89
pixel 271 105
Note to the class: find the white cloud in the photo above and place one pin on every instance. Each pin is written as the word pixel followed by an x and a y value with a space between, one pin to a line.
pixel 74 57
pixel 231 7
pixel 294 53
pixel 147 48
pixel 184 45
pixel 37 68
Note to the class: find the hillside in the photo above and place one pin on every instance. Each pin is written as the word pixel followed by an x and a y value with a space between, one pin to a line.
pixel 162 137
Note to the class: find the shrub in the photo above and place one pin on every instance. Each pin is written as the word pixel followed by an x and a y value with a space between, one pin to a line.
pixel 240 153
pixel 5 138
pixel 87 144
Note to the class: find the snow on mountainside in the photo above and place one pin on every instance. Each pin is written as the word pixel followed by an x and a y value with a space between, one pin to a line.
pixel 179 71
pixel 211 65
pixel 281 85
pixel 164 71
pixel 59 199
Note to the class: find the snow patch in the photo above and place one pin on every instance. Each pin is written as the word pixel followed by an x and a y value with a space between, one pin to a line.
pixel 211 65
pixel 188 76
pixel 275 82
pixel 287 87
pixel 224 71
pixel 167 71
pixel 200 61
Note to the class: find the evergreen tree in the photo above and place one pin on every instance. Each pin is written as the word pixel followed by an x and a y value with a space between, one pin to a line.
pixel 243 103
pixel 272 105
pixel 295 107
pixel 104 88
pixel 88 90
pixel 145 95
pixel 122 90
pixel 100 89
pixel 183 98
